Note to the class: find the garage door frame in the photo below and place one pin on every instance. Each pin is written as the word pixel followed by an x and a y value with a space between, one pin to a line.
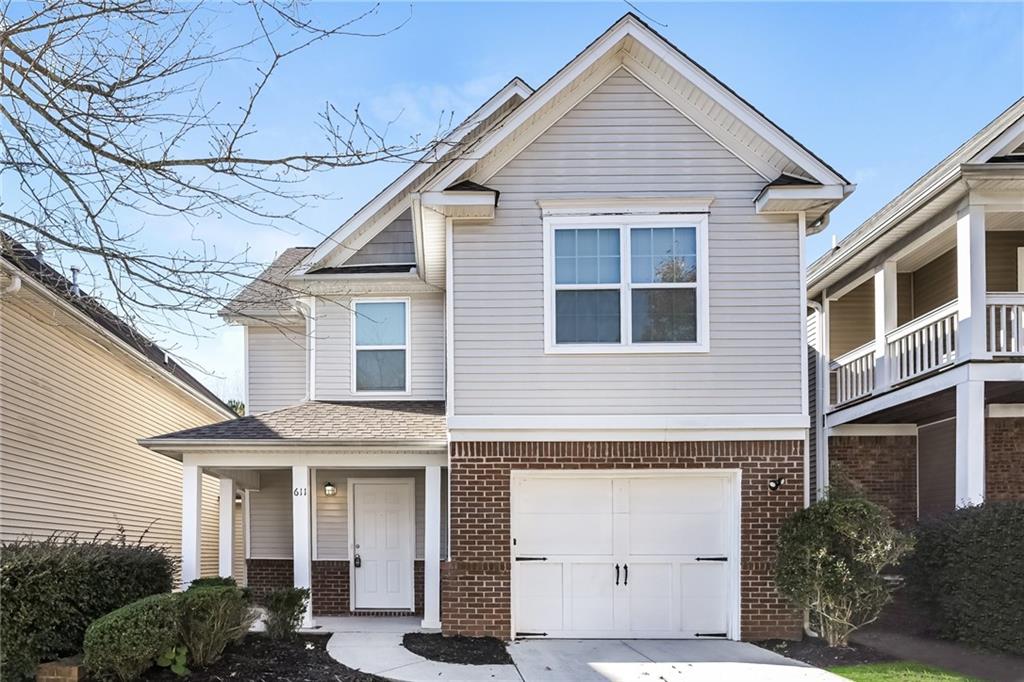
pixel 735 480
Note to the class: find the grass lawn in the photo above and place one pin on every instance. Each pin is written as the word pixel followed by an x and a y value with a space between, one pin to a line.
pixel 899 671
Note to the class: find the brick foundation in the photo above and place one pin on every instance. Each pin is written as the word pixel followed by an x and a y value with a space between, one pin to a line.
pixel 476 585
pixel 883 467
pixel 1004 459
pixel 65 670
pixel 330 593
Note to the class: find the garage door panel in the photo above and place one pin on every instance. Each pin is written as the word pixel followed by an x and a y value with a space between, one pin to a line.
pixel 565 496
pixel 676 495
pixel 676 534
pixel 592 596
pixel 651 599
pixel 539 597
pixel 564 534
pixel 705 592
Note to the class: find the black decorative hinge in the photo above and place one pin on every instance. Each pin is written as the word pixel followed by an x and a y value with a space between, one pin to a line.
pixel 710 634
pixel 712 558
pixel 531 558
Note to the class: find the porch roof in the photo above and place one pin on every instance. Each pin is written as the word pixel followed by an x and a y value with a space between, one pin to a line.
pixel 327 422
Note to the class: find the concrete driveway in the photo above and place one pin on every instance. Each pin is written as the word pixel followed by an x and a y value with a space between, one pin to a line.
pixel 634 660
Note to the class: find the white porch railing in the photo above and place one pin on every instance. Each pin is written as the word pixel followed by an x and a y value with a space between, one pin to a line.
pixel 922 345
pixel 1005 315
pixel 854 373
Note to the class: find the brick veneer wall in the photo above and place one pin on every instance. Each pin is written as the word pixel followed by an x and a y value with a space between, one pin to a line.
pixel 476 589
pixel 884 467
pixel 330 591
pixel 1004 458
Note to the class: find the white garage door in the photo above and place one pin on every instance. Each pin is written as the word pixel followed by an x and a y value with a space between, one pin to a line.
pixel 625 555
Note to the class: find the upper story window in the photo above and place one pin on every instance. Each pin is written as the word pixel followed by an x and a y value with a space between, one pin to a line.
pixel 626 283
pixel 381 346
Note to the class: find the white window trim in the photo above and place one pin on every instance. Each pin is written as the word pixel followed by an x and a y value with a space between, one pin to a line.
pixel 407 347
pixel 625 223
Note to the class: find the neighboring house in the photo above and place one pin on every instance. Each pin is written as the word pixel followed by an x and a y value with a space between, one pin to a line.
pixel 918 316
pixel 78 387
pixel 551 381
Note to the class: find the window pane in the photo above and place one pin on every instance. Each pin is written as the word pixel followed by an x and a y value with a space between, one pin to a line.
pixel 663 254
pixel 587 317
pixel 587 256
pixel 380 370
pixel 380 324
pixel 664 315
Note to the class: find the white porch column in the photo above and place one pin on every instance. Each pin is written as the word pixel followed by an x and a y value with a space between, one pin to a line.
pixel 432 549
pixel 191 521
pixel 970 443
pixel 971 282
pixel 885 321
pixel 226 546
pixel 302 535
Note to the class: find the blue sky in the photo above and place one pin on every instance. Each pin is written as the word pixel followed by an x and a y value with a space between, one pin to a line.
pixel 882 91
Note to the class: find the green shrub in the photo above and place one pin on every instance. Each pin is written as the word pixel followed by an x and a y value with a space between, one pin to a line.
pixel 124 643
pixel 51 590
pixel 830 561
pixel 212 581
pixel 968 571
pixel 210 618
pixel 284 611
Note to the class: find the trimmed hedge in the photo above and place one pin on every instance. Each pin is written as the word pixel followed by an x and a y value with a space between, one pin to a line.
pixel 285 608
pixel 968 572
pixel 210 618
pixel 51 590
pixel 123 644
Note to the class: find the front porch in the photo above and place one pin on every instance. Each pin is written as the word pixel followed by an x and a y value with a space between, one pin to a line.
pixel 348 500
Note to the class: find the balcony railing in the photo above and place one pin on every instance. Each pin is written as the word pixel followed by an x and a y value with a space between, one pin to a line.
pixel 1005 315
pixel 854 373
pixel 922 345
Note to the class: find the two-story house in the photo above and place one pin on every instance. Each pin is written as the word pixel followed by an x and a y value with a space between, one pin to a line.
pixel 917 334
pixel 549 382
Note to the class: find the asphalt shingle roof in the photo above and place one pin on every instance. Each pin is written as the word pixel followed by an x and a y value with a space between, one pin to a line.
pixel 331 421
pixel 269 292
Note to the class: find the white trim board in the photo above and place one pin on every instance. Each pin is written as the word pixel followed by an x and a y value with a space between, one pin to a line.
pixel 1004 410
pixel 873 430
pixel 599 423
pixel 625 435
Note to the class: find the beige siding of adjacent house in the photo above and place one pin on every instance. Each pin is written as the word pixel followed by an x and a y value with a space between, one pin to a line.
pixel 622 139
pixel 71 408
pixel 276 366
pixel 1001 259
pixel 333 344
pixel 851 320
pixel 935 283
pixel 270 512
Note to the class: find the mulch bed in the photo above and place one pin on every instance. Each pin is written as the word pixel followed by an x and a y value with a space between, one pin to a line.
pixel 817 653
pixel 258 658
pixel 457 649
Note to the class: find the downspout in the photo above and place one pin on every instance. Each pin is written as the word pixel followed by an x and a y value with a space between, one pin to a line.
pixel 13 287
pixel 816 307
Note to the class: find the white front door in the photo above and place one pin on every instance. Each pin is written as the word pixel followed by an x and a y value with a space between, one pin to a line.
pixel 620 555
pixel 383 541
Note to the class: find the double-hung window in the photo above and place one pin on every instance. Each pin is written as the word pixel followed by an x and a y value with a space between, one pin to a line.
pixel 626 283
pixel 381 348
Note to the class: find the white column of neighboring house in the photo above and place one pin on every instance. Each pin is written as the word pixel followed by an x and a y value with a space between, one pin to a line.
pixel 226 529
pixel 885 321
pixel 191 521
pixel 301 535
pixel 432 549
pixel 970 395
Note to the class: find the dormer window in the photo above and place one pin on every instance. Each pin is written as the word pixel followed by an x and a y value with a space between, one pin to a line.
pixel 626 283
pixel 381 346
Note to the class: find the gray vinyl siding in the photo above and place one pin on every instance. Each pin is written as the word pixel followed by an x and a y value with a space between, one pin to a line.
pixel 393 245
pixel 935 283
pixel 277 367
pixel 623 140
pixel 1001 259
pixel 904 297
pixel 334 348
pixel 270 512
pixel 73 407
pixel 852 320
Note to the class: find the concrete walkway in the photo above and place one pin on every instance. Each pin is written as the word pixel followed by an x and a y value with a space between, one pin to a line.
pixel 374 645
pixel 946 655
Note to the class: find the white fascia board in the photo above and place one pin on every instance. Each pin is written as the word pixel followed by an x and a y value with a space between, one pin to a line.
pixel 515 87
pixel 601 205
pixel 1005 142
pixel 597 423
pixel 1004 410
pixel 873 430
pixel 436 200
pixel 623 435
pixel 271 458
pixel 813 194
pixel 629 26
